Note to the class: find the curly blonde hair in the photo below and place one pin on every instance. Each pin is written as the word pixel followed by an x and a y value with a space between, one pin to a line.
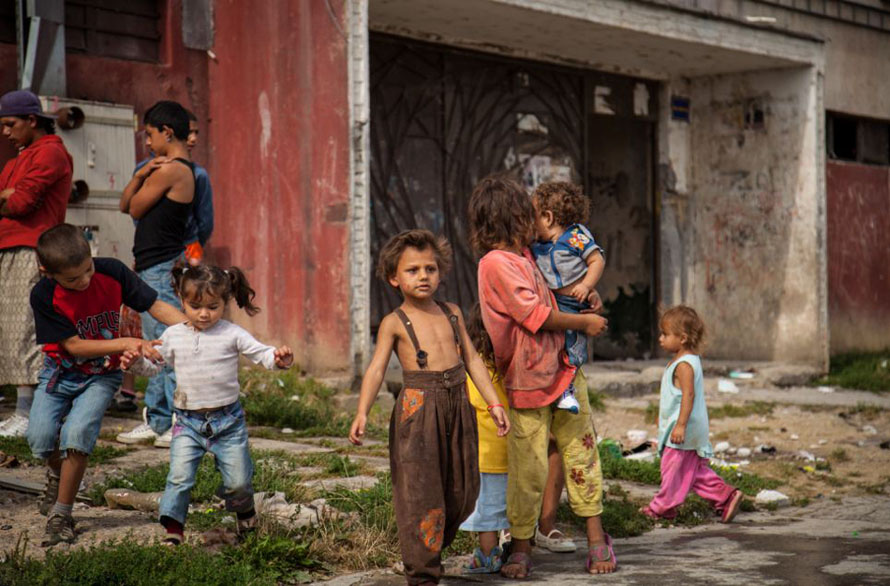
pixel 565 200
pixel 682 320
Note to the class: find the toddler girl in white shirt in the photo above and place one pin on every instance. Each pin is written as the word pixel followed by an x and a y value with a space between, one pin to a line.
pixel 204 352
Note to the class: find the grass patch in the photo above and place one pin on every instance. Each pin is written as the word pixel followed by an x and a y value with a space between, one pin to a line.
pixel 758 428
pixel 332 465
pixel 264 559
pixel 284 399
pixel 866 411
pixel 18 447
pixel 651 414
pixel 650 473
pixel 868 371
pixel 464 542
pixel 744 410
pixel 273 472
pixel 597 400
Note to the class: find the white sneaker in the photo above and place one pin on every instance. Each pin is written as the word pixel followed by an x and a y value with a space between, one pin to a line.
pixel 15 426
pixel 142 433
pixel 555 541
pixel 165 438
pixel 569 403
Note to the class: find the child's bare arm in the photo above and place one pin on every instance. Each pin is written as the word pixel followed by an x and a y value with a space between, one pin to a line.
pixel 165 180
pixel 386 339
pixel 685 376
pixel 589 323
pixel 596 264
pixel 480 376
pixel 80 348
pixel 166 313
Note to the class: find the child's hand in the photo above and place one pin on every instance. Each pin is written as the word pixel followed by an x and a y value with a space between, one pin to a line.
pixel 128 358
pixel 678 435
pixel 501 420
pixel 151 166
pixel 596 324
pixel 357 431
pixel 580 292
pixel 149 351
pixel 284 357
pixel 595 301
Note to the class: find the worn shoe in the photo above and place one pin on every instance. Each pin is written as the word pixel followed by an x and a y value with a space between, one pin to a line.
pixel 125 401
pixel 246 526
pixel 486 564
pixel 732 507
pixel 50 494
pixel 59 528
pixel 569 403
pixel 165 438
pixel 142 433
pixel 554 541
pixel 15 426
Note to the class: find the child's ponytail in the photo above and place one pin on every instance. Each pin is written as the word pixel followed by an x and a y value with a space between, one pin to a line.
pixel 241 290
pixel 178 275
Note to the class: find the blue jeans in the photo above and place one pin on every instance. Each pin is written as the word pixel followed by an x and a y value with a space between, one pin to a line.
pixel 223 433
pixel 159 392
pixel 80 399
pixel 576 342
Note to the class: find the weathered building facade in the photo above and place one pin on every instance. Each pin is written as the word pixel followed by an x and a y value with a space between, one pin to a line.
pixel 732 150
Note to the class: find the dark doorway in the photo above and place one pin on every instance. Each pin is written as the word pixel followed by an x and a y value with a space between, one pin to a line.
pixel 442 119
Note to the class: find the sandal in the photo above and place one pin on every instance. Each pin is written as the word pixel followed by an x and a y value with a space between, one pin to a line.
pixel 649 513
pixel 554 541
pixel 732 508
pixel 521 559
pixel 485 564
pixel 601 553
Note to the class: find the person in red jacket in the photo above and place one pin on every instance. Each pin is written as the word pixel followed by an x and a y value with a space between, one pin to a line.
pixel 34 191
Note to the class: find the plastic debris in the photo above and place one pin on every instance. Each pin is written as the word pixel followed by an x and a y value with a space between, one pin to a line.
pixel 744 452
pixel 741 374
pixel 637 436
pixel 855 534
pixel 822 442
pixel 768 497
pixel 809 469
pixel 287 430
pixel 825 389
pixel 646 445
pixel 125 498
pixel 648 456
pixel 611 446
pixel 869 429
pixel 731 450
pixel 808 456
pixel 721 447
pixel 885 445
pixel 794 436
pixel 724 385
pixel 765 449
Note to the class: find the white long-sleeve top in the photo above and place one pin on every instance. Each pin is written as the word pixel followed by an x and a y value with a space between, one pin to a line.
pixel 206 362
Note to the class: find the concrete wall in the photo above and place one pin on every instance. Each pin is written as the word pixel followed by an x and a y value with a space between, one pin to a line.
pixel 858 256
pixel 280 167
pixel 857 58
pixel 751 228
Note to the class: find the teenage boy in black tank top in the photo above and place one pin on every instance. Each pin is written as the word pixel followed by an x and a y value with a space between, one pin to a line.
pixel 160 196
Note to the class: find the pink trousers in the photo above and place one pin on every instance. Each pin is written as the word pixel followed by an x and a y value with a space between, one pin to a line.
pixel 682 471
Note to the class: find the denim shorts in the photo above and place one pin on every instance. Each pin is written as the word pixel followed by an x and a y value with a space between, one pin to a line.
pixel 80 399
pixel 490 513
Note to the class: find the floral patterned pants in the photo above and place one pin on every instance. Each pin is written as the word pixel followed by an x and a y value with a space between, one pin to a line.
pixel 527 461
pixel 433 452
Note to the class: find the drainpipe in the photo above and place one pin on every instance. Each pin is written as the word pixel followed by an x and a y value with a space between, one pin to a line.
pixel 42 50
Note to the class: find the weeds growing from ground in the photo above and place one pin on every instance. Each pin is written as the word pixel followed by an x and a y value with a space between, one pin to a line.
pixel 865 371
pixel 264 559
pixel 744 410
pixel 18 447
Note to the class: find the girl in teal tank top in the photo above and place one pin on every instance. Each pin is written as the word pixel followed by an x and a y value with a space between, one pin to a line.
pixel 683 442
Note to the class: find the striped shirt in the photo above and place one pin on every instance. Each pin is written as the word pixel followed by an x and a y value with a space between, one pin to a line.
pixel 206 363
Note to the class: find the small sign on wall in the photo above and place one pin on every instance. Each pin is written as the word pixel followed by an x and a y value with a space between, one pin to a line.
pixel 680 108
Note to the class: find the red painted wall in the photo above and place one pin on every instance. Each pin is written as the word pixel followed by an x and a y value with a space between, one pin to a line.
pixel 858 256
pixel 280 169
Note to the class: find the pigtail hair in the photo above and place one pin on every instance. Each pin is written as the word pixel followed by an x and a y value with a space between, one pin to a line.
pixel 177 276
pixel 241 290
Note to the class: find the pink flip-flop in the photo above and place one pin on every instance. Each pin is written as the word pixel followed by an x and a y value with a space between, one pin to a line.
pixel 601 553
pixel 732 508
